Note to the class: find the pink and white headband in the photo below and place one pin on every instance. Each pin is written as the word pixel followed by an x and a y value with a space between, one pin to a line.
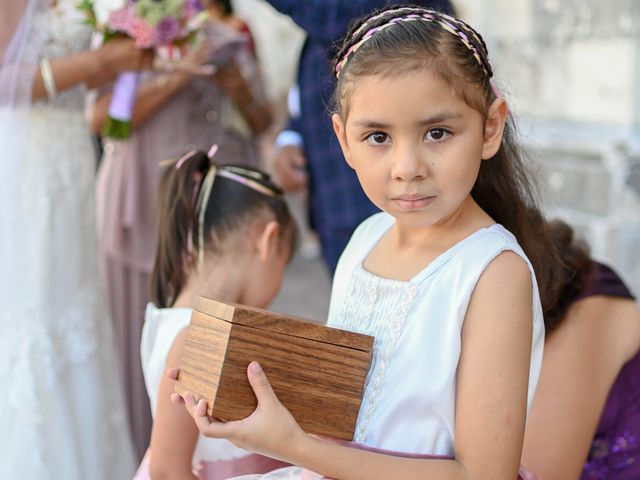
pixel 447 22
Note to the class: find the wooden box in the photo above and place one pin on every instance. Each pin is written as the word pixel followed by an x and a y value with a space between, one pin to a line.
pixel 317 372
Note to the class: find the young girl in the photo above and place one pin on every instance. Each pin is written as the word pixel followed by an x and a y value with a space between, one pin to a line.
pixel 440 277
pixel 224 232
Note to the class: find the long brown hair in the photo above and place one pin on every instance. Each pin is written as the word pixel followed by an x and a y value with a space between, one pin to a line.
pixel 455 52
pixel 572 272
pixel 231 205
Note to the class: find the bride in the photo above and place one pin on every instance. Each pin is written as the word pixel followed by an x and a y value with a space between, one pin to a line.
pixel 61 411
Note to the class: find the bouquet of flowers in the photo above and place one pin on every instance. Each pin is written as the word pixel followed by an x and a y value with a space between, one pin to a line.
pixel 152 24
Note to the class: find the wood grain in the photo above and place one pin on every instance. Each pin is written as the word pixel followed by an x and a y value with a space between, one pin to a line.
pixel 203 356
pixel 285 324
pixel 321 383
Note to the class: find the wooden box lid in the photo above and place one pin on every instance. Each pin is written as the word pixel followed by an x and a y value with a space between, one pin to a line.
pixel 279 323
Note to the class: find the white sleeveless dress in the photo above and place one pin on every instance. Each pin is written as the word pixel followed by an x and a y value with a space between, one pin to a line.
pixel 409 399
pixel 61 410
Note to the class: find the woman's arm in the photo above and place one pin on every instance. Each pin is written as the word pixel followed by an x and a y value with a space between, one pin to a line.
pixel 94 67
pixel 582 358
pixel 151 96
pixel 491 400
pixel 174 436
pixel 255 110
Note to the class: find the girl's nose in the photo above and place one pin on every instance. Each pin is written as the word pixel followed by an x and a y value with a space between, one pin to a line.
pixel 408 164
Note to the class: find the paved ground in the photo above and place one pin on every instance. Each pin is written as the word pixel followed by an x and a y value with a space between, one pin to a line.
pixel 306 289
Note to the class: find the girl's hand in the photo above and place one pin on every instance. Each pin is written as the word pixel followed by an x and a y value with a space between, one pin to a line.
pixel 270 430
pixel 121 55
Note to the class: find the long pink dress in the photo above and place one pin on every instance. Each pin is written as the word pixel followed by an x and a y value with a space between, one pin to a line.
pixel 196 117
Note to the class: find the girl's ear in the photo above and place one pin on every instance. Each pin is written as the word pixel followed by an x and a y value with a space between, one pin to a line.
pixel 494 127
pixel 339 129
pixel 267 240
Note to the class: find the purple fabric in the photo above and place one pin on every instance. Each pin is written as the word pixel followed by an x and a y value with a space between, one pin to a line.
pixel 615 451
pixel 604 281
pixel 124 96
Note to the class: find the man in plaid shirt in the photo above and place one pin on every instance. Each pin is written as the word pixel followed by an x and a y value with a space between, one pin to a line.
pixel 309 155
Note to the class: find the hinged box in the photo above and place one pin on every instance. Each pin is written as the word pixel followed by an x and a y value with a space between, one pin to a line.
pixel 317 372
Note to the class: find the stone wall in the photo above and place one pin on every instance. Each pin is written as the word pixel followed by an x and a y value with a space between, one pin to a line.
pixel 571 71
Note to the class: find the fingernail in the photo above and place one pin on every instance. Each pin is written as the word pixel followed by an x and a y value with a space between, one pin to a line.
pixel 255 367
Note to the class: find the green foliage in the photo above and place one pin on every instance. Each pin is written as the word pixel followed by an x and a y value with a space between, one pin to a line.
pixel 86 6
pixel 153 11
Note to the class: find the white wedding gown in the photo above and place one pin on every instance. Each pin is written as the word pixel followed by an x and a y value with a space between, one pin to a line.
pixel 61 408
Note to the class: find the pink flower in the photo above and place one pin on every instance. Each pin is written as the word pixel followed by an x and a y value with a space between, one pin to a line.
pixel 120 20
pixel 143 33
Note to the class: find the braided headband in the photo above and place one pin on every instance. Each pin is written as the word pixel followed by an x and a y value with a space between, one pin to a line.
pixel 445 21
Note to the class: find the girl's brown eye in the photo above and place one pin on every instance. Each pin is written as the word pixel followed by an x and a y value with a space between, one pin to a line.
pixel 436 134
pixel 378 138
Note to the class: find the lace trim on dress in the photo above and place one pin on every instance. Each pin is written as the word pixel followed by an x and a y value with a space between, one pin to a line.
pixel 379 307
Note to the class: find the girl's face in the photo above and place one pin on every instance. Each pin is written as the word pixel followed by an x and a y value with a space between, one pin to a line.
pixel 415 145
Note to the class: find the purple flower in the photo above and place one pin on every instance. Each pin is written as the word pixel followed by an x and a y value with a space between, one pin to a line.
pixel 167 30
pixel 192 8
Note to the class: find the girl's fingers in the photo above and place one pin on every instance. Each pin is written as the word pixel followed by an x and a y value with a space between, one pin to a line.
pixel 210 428
pixel 260 383
pixel 201 408
pixel 173 373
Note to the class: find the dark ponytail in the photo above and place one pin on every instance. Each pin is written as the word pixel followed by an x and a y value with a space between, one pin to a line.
pixel 176 218
pixel 232 204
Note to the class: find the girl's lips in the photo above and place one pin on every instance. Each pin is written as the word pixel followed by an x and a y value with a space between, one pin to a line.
pixel 413 202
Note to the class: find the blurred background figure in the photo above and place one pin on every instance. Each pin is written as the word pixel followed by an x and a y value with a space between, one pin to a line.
pixel 174 112
pixel 585 418
pixel 62 413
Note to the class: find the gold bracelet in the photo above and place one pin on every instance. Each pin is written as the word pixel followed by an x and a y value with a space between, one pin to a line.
pixel 47 78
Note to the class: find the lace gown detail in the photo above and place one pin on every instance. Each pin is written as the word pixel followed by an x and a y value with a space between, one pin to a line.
pixel 62 413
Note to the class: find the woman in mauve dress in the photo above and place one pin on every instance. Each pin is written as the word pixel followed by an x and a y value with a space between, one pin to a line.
pixel 174 112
